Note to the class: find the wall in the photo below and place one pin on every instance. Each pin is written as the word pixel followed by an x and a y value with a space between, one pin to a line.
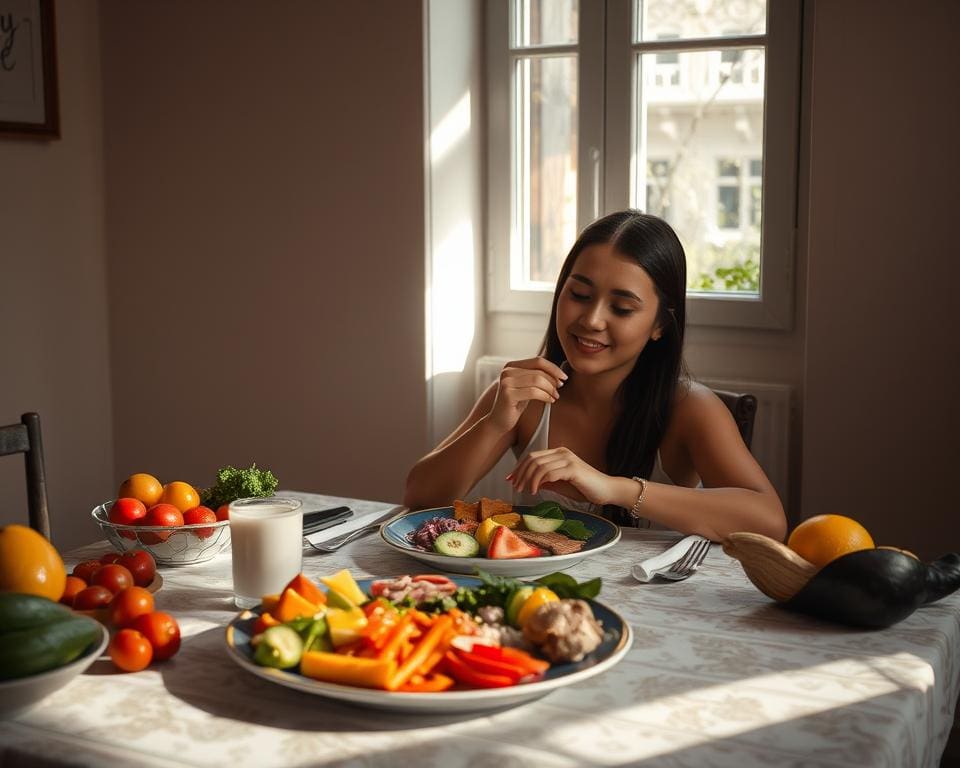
pixel 265 213
pixel 54 342
pixel 881 414
pixel 455 189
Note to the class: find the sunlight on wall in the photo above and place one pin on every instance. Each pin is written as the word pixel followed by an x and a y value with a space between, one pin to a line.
pixel 452 129
pixel 452 301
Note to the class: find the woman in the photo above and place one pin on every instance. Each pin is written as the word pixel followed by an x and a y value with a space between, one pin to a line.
pixel 606 418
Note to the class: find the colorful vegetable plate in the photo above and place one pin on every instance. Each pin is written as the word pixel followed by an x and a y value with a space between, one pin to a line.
pixel 616 642
pixel 397 534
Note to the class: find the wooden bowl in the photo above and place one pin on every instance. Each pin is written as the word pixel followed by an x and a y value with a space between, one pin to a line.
pixel 775 569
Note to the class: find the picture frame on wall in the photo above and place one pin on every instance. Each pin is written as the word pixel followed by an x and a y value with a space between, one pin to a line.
pixel 29 104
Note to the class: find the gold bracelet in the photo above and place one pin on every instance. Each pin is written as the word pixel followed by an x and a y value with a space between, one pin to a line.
pixel 635 510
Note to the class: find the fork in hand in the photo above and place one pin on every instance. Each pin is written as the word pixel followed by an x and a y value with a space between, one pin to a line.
pixel 686 565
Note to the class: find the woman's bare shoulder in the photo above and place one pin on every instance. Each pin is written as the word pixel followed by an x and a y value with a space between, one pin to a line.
pixel 694 405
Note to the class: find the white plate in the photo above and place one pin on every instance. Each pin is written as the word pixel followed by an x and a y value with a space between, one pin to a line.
pixel 617 641
pixel 395 531
pixel 19 694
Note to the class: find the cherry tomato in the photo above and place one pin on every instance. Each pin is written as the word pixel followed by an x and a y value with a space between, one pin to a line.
pixel 110 558
pixel 127 511
pixel 130 650
pixel 114 577
pixel 160 514
pixel 86 569
pixel 74 586
pixel 91 598
pixel 129 603
pixel 161 630
pixel 141 564
pixel 223 512
pixel 200 515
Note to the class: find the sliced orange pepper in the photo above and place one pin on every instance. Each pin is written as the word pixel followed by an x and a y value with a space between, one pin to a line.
pixel 431 684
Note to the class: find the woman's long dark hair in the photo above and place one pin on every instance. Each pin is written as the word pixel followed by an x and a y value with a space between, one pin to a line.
pixel 647 394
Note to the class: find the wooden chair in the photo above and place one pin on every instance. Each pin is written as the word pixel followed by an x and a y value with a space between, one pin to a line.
pixel 744 410
pixel 25 438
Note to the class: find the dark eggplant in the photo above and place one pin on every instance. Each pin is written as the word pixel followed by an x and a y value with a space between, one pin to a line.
pixel 875 588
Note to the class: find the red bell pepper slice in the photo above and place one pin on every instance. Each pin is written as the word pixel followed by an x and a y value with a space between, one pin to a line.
pixel 469 676
pixel 518 658
pixel 492 666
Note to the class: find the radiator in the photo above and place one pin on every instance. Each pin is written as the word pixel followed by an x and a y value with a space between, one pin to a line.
pixel 771 430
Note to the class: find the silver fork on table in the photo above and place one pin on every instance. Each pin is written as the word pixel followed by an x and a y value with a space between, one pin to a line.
pixel 686 565
pixel 334 544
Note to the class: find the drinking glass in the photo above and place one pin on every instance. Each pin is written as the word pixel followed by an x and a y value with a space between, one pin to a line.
pixel 267 540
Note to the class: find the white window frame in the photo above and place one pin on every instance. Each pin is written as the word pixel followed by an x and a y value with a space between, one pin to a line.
pixel 605 147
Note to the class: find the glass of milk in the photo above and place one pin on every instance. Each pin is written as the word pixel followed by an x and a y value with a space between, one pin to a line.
pixel 267 541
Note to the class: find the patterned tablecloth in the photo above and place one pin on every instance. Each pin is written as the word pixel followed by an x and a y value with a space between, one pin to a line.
pixel 717 676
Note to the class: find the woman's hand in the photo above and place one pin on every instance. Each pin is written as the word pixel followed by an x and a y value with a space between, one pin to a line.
pixel 519 383
pixel 555 464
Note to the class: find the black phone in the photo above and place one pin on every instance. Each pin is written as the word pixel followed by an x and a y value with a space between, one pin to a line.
pixel 319 519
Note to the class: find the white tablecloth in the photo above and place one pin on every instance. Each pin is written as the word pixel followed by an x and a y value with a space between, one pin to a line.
pixel 717 675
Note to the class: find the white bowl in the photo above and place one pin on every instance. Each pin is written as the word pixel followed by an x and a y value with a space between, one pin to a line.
pixel 18 695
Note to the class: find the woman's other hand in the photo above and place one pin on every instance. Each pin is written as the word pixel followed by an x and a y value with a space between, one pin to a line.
pixel 561 464
pixel 519 383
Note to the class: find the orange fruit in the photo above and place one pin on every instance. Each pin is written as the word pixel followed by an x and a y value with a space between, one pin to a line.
pixel 182 495
pixel 29 563
pixel 823 538
pixel 143 487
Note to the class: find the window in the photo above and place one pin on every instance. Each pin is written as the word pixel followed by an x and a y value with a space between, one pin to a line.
pixel 684 109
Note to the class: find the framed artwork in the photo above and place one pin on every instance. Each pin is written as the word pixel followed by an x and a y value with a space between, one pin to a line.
pixel 28 70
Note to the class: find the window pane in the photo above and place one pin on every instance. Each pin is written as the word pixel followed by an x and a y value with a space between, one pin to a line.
pixel 545 22
pixel 701 147
pixel 546 191
pixel 698 18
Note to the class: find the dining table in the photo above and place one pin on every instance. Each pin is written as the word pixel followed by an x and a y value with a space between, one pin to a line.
pixel 717 675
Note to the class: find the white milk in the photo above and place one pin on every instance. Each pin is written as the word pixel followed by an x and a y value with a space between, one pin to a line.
pixel 267 541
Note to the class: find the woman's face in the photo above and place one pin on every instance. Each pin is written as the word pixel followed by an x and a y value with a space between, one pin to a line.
pixel 607 311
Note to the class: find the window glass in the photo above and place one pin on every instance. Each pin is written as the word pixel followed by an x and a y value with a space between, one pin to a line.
pixel 545 22
pixel 545 197
pixel 699 18
pixel 700 141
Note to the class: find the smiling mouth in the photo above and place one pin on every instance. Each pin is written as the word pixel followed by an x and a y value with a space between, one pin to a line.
pixel 589 344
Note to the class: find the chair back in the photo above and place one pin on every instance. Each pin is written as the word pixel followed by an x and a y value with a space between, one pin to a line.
pixel 744 409
pixel 25 438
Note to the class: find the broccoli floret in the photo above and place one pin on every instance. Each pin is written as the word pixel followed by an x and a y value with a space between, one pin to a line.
pixel 233 484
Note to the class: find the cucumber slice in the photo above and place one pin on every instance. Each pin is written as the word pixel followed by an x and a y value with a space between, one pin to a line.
pixel 456 544
pixel 542 524
pixel 279 647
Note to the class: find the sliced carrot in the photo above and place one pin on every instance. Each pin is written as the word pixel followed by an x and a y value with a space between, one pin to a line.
pixel 421 652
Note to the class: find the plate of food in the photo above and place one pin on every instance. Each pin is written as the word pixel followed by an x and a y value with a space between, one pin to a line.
pixel 500 538
pixel 428 643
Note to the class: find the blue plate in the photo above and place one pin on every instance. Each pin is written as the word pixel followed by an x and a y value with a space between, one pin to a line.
pixel 616 642
pixel 394 533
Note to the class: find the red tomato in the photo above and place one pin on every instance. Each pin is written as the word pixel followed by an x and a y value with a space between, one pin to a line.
pixel 223 512
pixel 160 514
pixel 130 650
pixel 91 598
pixel 161 630
pixel 141 564
pixel 86 569
pixel 127 511
pixel 110 558
pixel 129 603
pixel 114 577
pixel 200 515
pixel 74 586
